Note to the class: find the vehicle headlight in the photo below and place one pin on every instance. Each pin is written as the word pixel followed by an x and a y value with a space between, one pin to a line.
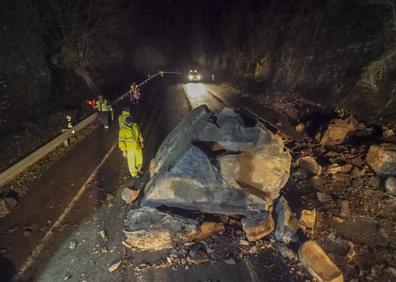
pixel 190 77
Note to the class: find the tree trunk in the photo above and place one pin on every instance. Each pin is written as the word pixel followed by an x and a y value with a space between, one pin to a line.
pixel 82 72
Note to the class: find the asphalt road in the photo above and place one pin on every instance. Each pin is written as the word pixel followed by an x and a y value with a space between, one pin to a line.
pixel 55 233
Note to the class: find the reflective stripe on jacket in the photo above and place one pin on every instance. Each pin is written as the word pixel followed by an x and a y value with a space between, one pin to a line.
pixel 103 106
pixel 130 137
pixel 122 118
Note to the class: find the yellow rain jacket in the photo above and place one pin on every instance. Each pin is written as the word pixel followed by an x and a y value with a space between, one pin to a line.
pixel 130 138
pixel 103 106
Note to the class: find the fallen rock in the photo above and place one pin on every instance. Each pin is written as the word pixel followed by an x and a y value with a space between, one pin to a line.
pixel 300 127
pixel 308 218
pixel 267 168
pixel 318 264
pixel 197 255
pixel 6 205
pixel 382 159
pixel 258 225
pixel 233 184
pixel 194 183
pixel 323 197
pixel 149 229
pixel 286 252
pixel 115 265
pixel 179 139
pixel 390 185
pixel 309 164
pixel 338 130
pixel 345 209
pixel 208 229
pixel 230 261
pixel 129 195
pixel 333 168
pixel 286 226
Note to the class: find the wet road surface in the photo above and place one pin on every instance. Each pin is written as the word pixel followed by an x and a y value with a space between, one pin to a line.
pixel 55 233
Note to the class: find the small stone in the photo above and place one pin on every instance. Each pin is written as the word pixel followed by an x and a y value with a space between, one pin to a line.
pixel 323 197
pixel 258 226
pixel 337 220
pixel 382 159
pixel 230 261
pixel 300 174
pixel 183 261
pixel 333 168
pixel 374 182
pixel 115 265
pixel 300 127
pixel 310 165
pixel 286 252
pixel 308 218
pixel 345 209
pixel 129 195
pixel 388 133
pixel 318 264
pixel 244 242
pixel 72 245
pixel 104 234
pixel 347 168
pixel 390 185
pixel 27 232
pixel 208 229
pixel 197 257
pixel 7 205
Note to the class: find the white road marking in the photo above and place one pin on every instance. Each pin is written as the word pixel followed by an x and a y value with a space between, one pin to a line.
pixel 39 248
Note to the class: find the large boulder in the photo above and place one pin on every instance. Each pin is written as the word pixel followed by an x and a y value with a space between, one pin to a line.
pixel 149 229
pixel 382 159
pixel 246 178
pixel 194 183
pixel 338 131
pixel 179 139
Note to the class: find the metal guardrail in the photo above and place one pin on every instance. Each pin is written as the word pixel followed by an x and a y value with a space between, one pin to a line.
pixel 11 172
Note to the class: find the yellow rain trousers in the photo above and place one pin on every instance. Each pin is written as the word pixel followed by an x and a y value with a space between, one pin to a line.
pixel 130 140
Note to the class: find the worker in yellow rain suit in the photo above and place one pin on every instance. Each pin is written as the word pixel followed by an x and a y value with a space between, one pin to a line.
pixel 124 114
pixel 104 108
pixel 130 142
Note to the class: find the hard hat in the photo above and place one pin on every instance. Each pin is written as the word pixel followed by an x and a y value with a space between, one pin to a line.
pixel 128 120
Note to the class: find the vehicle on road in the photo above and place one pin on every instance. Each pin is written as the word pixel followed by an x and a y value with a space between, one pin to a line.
pixel 194 75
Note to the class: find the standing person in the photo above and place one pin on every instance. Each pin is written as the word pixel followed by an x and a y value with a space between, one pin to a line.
pixel 134 94
pixel 124 114
pixel 104 108
pixel 130 142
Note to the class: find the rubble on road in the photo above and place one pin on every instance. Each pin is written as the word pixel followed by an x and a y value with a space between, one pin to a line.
pixel 230 180
pixel 6 205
